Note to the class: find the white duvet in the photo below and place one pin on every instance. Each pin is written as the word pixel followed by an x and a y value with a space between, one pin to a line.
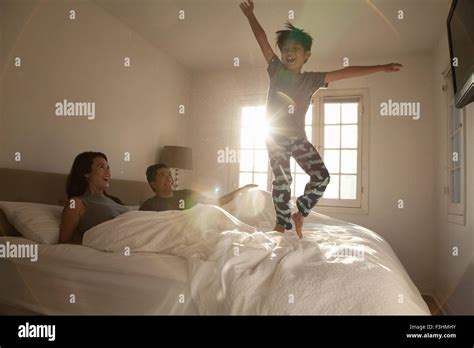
pixel 236 267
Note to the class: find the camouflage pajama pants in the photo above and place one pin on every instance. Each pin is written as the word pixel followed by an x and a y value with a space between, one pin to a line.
pixel 280 149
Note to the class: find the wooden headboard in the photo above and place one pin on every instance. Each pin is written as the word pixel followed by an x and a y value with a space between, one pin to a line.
pixel 50 188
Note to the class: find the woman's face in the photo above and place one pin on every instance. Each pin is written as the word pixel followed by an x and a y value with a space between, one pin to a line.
pixel 99 176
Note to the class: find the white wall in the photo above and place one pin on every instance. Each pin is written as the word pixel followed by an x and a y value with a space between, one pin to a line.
pixel 83 60
pixel 401 150
pixel 454 275
pixel 2 62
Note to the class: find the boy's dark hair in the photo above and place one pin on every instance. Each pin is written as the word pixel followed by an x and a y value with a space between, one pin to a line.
pixel 294 34
pixel 151 172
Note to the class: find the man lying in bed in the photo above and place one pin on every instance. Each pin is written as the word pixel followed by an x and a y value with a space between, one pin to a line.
pixel 161 182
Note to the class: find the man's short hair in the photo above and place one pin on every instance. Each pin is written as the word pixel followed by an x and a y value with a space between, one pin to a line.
pixel 151 172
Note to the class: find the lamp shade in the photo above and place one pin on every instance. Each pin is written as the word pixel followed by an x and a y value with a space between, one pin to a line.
pixel 177 157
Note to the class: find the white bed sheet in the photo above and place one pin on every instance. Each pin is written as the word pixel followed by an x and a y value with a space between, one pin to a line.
pixel 157 283
pixel 338 268
pixel 102 283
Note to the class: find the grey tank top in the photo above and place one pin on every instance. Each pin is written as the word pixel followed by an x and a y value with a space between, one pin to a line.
pixel 99 208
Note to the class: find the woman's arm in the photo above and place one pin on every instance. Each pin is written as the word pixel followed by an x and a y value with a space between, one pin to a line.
pixel 72 212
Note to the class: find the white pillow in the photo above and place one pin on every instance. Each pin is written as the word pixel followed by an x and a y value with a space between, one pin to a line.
pixel 35 221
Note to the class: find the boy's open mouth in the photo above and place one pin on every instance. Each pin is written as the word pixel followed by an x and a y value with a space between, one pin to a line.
pixel 290 60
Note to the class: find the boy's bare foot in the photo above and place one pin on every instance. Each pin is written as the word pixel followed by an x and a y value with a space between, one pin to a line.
pixel 279 228
pixel 298 218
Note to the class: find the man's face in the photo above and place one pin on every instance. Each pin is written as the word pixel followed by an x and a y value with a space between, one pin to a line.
pixel 294 55
pixel 163 181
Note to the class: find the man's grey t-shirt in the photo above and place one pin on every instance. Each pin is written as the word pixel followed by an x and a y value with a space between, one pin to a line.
pixel 288 88
pixel 181 199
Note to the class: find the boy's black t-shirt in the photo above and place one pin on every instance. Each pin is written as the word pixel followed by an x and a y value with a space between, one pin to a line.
pixel 290 89
pixel 181 199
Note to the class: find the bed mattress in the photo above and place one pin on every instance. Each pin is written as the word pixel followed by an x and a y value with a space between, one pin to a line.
pixel 73 279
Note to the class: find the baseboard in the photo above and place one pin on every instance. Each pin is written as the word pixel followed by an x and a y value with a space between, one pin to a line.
pixel 439 299
pixel 13 309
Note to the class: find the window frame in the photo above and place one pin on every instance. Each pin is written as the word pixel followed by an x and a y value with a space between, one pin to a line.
pixel 456 212
pixel 234 170
pixel 360 205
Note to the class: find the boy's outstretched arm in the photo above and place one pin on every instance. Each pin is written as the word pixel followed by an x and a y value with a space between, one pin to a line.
pixel 224 199
pixel 354 71
pixel 247 9
pixel 228 197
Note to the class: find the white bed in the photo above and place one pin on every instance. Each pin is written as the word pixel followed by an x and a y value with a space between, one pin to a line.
pixel 103 283
pixel 201 273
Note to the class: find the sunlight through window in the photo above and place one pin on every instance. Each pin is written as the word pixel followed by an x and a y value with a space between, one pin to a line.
pixel 254 164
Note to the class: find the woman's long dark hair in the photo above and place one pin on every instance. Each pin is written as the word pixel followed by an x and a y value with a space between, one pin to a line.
pixel 76 183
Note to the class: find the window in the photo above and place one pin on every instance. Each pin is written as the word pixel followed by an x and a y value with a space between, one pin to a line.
pixel 254 166
pixel 340 150
pixel 456 174
pixel 337 117
pixel 342 141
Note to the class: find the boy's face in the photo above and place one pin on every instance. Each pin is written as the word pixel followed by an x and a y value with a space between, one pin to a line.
pixel 294 55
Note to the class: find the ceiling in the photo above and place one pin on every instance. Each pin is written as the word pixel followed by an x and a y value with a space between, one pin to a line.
pixel 215 31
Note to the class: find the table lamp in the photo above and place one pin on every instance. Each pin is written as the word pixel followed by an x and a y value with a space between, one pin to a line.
pixel 177 157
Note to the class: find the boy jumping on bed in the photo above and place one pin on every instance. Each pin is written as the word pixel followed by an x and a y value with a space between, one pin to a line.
pixel 288 100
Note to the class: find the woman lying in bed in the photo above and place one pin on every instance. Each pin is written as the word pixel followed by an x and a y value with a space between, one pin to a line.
pixel 88 203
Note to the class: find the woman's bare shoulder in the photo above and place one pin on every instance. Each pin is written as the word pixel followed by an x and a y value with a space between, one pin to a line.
pixel 75 204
